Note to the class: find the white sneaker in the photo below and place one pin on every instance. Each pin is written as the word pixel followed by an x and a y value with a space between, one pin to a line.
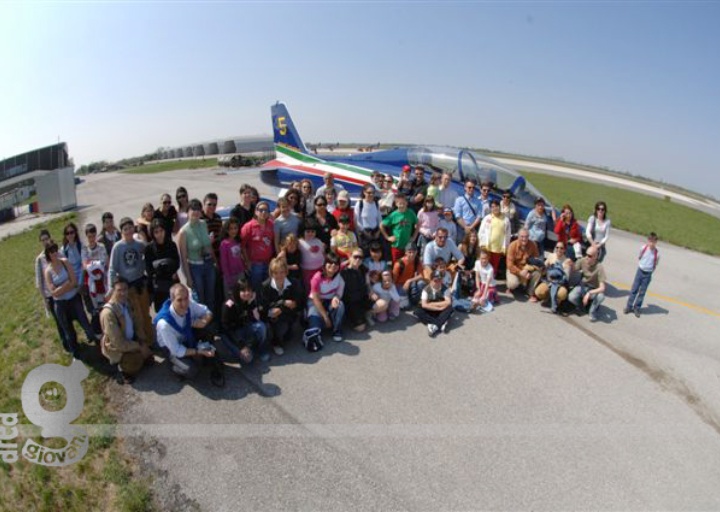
pixel 443 329
pixel 278 350
pixel 432 330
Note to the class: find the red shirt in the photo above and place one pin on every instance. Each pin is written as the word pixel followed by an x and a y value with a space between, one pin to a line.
pixel 349 212
pixel 561 230
pixel 258 241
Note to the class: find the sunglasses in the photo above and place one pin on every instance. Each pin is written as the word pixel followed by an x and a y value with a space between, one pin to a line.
pixel 356 256
pixel 320 204
pixel 167 202
pixel 333 263
pixel 262 210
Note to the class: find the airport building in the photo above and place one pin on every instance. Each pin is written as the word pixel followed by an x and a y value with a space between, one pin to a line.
pixel 46 171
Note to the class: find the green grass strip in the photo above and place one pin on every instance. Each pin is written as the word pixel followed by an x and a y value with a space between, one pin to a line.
pixel 634 212
pixel 27 340
pixel 172 166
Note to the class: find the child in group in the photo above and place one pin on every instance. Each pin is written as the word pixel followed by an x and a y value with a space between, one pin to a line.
pixel 344 242
pixel 399 228
pixel 232 264
pixel 375 264
pixel 312 252
pixel 290 252
pixel 486 287
pixel 407 275
pixel 434 187
pixel 386 298
pixel 441 266
pixel 244 334
pixel 647 263
pixel 435 305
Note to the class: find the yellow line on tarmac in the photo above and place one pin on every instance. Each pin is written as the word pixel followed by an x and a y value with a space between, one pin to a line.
pixel 624 286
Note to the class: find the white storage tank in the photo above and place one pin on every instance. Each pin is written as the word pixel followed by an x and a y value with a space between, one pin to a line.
pixel 56 190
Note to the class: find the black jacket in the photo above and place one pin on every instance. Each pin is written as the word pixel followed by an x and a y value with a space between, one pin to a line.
pixel 271 298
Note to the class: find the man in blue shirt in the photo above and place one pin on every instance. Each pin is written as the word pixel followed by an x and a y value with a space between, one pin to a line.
pixel 468 209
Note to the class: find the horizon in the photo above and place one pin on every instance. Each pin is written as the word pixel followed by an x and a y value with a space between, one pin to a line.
pixel 630 87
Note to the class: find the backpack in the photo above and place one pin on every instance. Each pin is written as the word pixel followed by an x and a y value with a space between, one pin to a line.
pixel 556 274
pixel 312 339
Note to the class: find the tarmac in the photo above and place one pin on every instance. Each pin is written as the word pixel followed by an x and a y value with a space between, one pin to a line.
pixel 516 409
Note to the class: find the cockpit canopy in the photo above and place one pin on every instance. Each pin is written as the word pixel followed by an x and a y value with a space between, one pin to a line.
pixel 465 164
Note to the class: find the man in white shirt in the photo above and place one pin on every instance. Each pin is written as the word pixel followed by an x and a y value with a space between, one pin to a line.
pixel 176 325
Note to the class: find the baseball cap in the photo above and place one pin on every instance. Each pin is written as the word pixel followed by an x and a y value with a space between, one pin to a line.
pixel 406 168
pixel 447 209
pixel 343 196
pixel 436 274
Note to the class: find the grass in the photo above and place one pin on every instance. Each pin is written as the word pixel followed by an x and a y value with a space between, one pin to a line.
pixel 103 479
pixel 172 166
pixel 635 212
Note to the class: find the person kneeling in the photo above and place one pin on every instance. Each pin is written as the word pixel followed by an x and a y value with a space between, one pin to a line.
pixel 326 308
pixel 435 305
pixel 386 298
pixel 120 343
pixel 244 334
pixel 282 299
pixel 177 324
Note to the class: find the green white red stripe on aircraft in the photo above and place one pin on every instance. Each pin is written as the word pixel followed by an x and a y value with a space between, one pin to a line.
pixel 295 157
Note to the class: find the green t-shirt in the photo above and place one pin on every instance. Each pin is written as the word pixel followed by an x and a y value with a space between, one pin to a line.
pixel 402 226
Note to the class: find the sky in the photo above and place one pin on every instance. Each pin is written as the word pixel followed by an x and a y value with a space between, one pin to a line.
pixel 632 86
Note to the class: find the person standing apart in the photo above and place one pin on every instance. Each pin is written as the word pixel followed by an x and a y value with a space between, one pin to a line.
pixel 647 263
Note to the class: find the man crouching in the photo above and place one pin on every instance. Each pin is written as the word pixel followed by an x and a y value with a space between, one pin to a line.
pixel 121 343
pixel 178 324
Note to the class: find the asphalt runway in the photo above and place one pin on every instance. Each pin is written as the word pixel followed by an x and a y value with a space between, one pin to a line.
pixel 517 409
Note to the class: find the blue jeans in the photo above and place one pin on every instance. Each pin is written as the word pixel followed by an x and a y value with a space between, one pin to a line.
pixel 336 316
pixel 639 287
pixel 67 311
pixel 253 335
pixel 577 294
pixel 258 274
pixel 203 280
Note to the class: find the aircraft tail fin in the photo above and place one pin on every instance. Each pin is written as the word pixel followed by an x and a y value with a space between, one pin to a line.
pixel 284 131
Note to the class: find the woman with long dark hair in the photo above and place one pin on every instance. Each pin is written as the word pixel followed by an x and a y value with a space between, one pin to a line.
pixel 597 230
pixel 61 282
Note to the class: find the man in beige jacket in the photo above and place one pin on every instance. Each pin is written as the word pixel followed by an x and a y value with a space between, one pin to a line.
pixel 120 343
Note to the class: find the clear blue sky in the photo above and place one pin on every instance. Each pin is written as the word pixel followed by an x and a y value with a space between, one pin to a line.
pixel 631 86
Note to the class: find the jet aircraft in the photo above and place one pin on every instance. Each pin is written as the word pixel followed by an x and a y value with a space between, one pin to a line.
pixel 294 162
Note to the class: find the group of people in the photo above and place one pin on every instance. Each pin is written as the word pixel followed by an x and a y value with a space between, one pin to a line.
pixel 314 259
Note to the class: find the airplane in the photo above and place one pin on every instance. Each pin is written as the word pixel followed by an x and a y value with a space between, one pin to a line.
pixel 294 162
